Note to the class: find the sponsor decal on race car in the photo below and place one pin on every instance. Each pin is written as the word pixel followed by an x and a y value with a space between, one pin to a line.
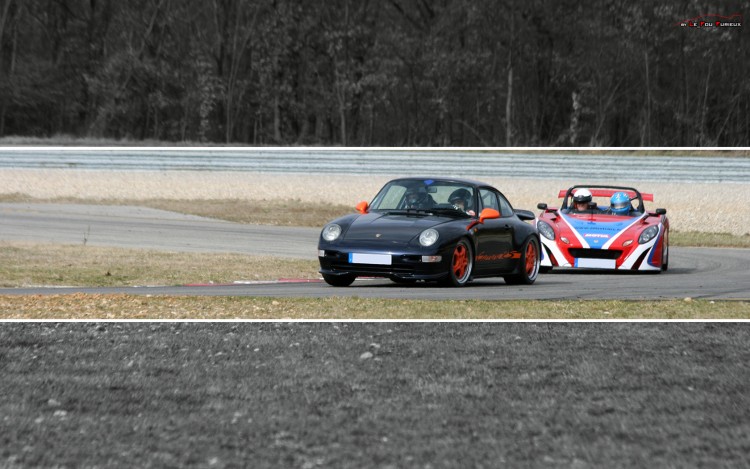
pixel 482 257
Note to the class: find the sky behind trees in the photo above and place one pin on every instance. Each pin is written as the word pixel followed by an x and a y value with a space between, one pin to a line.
pixel 376 72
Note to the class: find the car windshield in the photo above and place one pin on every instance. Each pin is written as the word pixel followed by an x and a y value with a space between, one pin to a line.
pixel 602 206
pixel 424 195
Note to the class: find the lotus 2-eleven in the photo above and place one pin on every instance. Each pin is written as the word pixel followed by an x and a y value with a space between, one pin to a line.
pixel 616 233
pixel 432 229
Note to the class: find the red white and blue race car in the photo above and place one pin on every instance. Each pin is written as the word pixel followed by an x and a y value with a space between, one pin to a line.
pixel 618 233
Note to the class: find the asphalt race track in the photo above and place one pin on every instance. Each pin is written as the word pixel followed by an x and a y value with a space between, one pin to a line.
pixel 146 228
pixel 710 273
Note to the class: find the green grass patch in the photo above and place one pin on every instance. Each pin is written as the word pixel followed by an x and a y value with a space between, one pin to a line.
pixel 374 394
pixel 709 240
pixel 93 307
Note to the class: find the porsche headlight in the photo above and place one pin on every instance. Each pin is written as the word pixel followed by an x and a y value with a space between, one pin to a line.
pixel 428 237
pixel 648 234
pixel 546 230
pixel 331 232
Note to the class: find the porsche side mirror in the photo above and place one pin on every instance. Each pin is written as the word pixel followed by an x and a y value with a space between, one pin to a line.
pixel 488 214
pixel 362 207
pixel 661 211
pixel 541 206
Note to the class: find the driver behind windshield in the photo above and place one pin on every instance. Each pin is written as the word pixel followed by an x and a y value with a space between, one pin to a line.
pixel 581 201
pixel 619 204
pixel 417 198
pixel 460 198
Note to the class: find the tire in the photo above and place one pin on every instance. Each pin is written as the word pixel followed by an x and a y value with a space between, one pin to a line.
pixel 461 265
pixel 528 264
pixel 665 257
pixel 339 280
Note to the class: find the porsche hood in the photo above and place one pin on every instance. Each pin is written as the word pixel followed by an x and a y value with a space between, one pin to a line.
pixel 393 228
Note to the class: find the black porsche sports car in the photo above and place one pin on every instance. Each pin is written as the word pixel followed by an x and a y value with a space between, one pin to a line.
pixel 441 229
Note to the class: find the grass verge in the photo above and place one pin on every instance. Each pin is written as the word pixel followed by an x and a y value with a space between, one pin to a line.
pixel 120 306
pixel 64 265
pixel 708 240
pixel 81 265
pixel 374 395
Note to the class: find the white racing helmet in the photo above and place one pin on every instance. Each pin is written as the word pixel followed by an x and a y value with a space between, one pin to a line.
pixel 582 196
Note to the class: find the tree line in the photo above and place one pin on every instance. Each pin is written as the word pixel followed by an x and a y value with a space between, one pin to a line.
pixel 375 72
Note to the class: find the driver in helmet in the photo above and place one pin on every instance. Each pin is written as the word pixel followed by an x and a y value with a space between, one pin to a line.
pixel 461 199
pixel 417 198
pixel 619 204
pixel 581 200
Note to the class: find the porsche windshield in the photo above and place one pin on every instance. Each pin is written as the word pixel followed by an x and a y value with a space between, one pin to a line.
pixel 425 195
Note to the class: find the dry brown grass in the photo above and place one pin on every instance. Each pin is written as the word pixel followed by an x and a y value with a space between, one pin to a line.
pixel 24 264
pixel 264 212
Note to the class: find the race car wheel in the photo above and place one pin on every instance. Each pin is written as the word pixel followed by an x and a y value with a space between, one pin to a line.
pixel 462 263
pixel 528 265
pixel 339 280
pixel 665 257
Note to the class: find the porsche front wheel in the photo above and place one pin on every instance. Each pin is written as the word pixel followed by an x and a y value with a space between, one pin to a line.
pixel 461 265
pixel 528 266
pixel 339 280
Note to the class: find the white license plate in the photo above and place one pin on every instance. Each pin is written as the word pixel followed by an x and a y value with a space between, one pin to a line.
pixel 595 263
pixel 361 258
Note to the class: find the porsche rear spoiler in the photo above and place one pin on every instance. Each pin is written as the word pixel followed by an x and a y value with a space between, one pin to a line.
pixel 609 193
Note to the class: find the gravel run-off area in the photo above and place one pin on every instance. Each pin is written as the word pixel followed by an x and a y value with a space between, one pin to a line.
pixel 712 208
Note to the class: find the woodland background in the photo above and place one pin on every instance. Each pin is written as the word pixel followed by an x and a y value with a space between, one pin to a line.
pixel 375 72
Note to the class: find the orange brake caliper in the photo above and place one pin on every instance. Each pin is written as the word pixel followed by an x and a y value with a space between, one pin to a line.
pixel 530 258
pixel 460 261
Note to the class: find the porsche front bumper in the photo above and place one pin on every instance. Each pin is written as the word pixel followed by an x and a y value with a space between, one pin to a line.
pixel 403 265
